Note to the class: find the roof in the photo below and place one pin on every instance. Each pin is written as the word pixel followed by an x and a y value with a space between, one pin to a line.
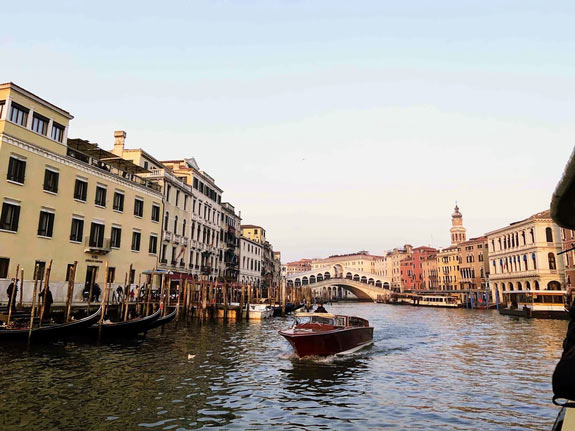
pixel 92 150
pixel 251 226
pixel 38 99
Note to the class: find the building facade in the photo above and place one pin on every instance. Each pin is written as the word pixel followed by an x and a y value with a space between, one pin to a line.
pixel 393 266
pixel 416 272
pixel 448 261
pixel 251 256
pixel 302 265
pixel 474 266
pixel 65 200
pixel 523 256
pixel 231 237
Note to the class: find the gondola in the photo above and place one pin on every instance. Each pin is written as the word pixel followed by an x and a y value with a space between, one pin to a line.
pixel 163 320
pixel 50 332
pixel 290 308
pixel 129 328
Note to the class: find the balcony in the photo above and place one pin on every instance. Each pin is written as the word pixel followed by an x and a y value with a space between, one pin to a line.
pixel 182 264
pixel 184 240
pixel 95 246
pixel 164 261
pixel 173 262
pixel 167 235
pixel 206 270
pixel 176 239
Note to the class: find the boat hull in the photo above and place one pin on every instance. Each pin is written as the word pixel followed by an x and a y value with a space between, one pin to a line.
pixel 50 332
pixel 327 343
pixel 535 314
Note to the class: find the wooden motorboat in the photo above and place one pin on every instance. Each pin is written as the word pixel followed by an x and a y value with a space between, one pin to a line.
pixel 50 332
pixel 163 320
pixel 325 334
pixel 128 328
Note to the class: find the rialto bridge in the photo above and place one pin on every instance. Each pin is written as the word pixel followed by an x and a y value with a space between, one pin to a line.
pixel 330 281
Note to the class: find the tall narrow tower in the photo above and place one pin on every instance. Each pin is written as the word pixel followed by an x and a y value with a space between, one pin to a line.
pixel 457 230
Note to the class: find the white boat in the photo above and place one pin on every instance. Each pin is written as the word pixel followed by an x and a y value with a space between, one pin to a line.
pixel 260 311
pixel 445 301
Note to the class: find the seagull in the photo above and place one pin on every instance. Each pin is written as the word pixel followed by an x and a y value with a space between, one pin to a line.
pixel 190 356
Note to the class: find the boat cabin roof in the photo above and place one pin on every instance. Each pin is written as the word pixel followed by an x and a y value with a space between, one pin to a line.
pixel 311 314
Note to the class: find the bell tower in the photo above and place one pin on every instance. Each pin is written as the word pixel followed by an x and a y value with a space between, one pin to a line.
pixel 457 230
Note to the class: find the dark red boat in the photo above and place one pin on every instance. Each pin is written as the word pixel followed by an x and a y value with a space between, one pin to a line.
pixel 325 334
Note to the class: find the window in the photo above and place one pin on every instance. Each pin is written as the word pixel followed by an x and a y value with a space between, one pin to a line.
pixel 2 103
pixel 136 236
pixel 40 124
pixel 118 204
pixel 552 263
pixel 111 274
pixel 51 180
pixel 155 213
pixel 177 197
pixel 138 207
pixel 80 190
pixel 549 234
pixel 39 270
pixel 10 216
pixel 46 224
pixel 69 271
pixel 166 220
pixel 116 237
pixel 4 262
pixel 100 196
pixel 176 225
pixel 57 132
pixel 77 230
pixel 16 169
pixel 19 114
pixel 168 190
pixel 96 235
pixel 153 246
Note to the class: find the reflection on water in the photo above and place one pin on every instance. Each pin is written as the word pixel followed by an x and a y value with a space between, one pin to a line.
pixel 427 369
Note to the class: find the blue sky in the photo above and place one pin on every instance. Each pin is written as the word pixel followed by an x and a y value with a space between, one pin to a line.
pixel 336 125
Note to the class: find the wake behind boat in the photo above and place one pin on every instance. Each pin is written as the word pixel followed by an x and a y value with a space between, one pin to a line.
pixel 326 334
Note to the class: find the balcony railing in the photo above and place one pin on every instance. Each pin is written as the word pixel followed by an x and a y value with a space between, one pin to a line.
pixel 184 240
pixel 167 235
pixel 182 264
pixel 176 239
pixel 97 246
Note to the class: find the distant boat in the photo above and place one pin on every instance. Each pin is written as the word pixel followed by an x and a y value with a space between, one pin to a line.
pixel 260 311
pixel 541 304
pixel 441 301
pixel 325 334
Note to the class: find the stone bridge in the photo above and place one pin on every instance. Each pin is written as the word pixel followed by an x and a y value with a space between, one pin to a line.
pixel 326 281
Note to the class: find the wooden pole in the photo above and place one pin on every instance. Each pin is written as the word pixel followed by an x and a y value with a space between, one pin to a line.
pixel 242 296
pixel 249 300
pixel 150 293
pixel 91 292
pixel 225 295
pixel 104 296
pixel 21 287
pixel 33 302
pixel 46 291
pixel 178 301
pixel 70 292
pixel 127 295
pixel 283 296
pixel 204 298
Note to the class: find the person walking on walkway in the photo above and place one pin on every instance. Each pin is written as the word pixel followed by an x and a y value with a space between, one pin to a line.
pixel 12 291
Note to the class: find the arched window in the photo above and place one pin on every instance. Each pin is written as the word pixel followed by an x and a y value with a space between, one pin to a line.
pixel 552 263
pixel 549 234
pixel 184 227
pixel 166 220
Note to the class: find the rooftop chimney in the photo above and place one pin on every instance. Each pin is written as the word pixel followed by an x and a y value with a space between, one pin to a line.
pixel 119 138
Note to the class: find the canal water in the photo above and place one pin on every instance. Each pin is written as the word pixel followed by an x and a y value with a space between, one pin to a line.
pixel 427 370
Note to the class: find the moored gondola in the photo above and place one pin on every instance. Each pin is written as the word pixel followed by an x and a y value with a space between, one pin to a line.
pixel 163 320
pixel 128 328
pixel 50 332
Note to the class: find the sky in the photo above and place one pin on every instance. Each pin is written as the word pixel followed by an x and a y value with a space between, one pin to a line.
pixel 338 126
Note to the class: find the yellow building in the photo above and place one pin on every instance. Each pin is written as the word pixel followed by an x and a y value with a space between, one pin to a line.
pixel 448 261
pixel 360 261
pixel 253 232
pixel 68 200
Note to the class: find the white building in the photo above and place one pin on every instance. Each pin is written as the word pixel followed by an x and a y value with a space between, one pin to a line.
pixel 523 256
pixel 251 256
